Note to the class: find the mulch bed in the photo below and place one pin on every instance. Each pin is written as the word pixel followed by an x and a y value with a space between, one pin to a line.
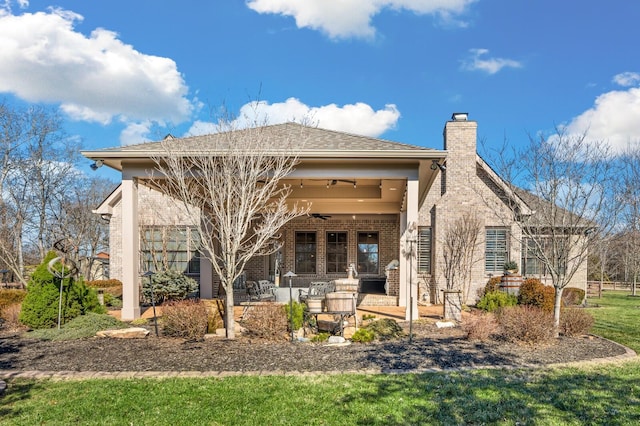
pixel 431 348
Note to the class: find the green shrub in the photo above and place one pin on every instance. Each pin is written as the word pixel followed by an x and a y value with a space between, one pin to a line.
pixel 385 329
pixel 534 293
pixel 40 306
pixel 298 314
pixel 80 327
pixel 167 286
pixel 187 319
pixel 363 335
pixel 111 301
pixel 320 337
pixel 495 300
pixel 572 296
pixel 575 321
pixel 526 324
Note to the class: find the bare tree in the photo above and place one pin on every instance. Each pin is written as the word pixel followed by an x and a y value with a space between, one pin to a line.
pixel 631 212
pixel 74 220
pixel 460 252
pixel 230 185
pixel 37 182
pixel 569 190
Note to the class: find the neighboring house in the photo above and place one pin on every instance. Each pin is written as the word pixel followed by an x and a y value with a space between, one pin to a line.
pixel 97 266
pixel 372 201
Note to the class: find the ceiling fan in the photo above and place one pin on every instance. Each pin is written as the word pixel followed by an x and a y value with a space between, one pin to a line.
pixel 335 181
pixel 320 216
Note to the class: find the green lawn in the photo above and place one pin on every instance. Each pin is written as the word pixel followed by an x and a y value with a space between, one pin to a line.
pixel 591 395
pixel 617 317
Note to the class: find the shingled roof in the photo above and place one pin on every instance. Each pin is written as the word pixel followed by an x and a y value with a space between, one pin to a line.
pixel 311 139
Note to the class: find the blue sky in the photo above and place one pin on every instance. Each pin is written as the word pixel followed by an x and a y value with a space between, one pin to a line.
pixel 123 72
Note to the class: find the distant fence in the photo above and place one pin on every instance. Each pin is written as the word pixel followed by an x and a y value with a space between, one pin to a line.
pixel 594 288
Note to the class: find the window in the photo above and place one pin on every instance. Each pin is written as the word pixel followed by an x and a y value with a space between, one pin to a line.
pixel 174 248
pixel 305 252
pixel 495 252
pixel 368 253
pixel 336 252
pixel 424 250
pixel 531 262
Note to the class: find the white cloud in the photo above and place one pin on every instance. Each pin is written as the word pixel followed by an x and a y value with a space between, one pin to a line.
pixel 614 118
pixel 94 78
pixel 135 133
pixel 358 118
pixel 627 79
pixel 489 65
pixel 352 18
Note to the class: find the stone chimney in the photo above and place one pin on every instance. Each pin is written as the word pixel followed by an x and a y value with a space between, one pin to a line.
pixel 460 136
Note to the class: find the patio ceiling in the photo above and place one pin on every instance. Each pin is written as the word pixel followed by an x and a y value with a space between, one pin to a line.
pixel 349 195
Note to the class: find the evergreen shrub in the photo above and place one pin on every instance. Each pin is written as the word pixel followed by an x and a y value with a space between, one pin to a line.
pixel 298 314
pixel 363 335
pixel 40 305
pixel 168 286
pixel 385 329
pixel 495 300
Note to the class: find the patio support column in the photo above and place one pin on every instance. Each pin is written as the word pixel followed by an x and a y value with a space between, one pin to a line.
pixel 408 251
pixel 130 250
pixel 206 278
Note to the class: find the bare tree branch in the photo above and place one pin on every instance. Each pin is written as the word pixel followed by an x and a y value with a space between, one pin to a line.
pixel 231 186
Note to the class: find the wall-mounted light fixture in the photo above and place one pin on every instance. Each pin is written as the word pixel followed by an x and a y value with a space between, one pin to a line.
pixel 435 165
pixel 96 165
pixel 301 186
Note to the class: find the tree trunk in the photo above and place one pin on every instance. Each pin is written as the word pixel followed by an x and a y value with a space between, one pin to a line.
pixel 556 312
pixel 229 321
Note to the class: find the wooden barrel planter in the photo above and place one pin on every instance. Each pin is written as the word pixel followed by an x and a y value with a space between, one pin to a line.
pixel 316 306
pixel 511 283
pixel 347 284
pixel 340 301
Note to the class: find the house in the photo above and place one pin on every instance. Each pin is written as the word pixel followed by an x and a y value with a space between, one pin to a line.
pixel 372 202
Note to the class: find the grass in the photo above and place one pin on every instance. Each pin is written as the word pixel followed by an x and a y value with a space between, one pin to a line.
pixel 617 317
pixel 564 396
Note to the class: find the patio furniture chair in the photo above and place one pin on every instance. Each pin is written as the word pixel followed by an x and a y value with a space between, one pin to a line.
pixel 259 293
pixel 316 290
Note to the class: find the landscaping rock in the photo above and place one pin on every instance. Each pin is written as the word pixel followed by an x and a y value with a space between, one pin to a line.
pixel 125 333
pixel 445 324
pixel 336 339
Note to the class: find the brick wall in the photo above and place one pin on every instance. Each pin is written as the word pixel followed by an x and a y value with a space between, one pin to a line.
pixel 387 226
